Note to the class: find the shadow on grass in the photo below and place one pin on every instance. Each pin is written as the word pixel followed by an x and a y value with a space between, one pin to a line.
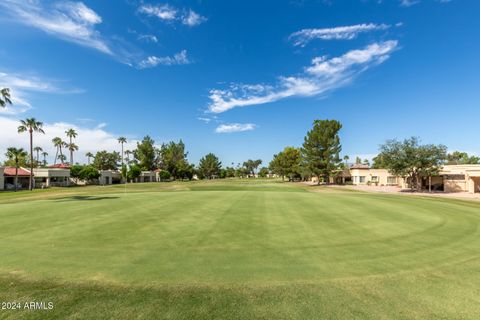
pixel 84 198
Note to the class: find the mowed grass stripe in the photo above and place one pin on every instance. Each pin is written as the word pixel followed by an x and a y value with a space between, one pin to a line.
pixel 240 250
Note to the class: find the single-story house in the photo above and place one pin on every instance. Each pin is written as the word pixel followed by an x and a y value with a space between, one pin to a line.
pixel 7 180
pixel 147 176
pixel 54 176
pixel 458 178
pixel 451 178
pixel 110 177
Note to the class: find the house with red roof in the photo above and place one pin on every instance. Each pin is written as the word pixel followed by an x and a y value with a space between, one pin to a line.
pixel 7 180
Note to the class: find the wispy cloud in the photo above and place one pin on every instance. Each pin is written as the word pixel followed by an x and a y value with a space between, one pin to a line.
pixel 90 139
pixel 193 19
pixel 168 13
pixel 69 20
pixel 148 38
pixel 302 37
pixel 408 3
pixel 177 59
pixel 22 85
pixel 323 75
pixel 235 127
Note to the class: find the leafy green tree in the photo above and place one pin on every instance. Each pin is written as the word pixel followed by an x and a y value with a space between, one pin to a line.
pixel 321 148
pixel 5 97
pixel 458 157
pixel 31 125
pixel 286 163
pixel 379 162
pixel 251 166
pixel 263 172
pixel 16 155
pixel 134 172
pixel 164 175
pixel 209 166
pixel 89 173
pixel 229 172
pixel 71 134
pixel 173 158
pixel 411 160
pixel 105 160
pixel 145 153
pixel 75 171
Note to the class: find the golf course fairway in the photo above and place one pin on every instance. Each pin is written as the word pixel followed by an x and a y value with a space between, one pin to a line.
pixel 238 250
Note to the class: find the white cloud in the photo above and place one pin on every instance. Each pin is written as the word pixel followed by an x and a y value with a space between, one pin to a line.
pixel 235 127
pixel 168 13
pixel 321 76
pixel 302 37
pixel 193 19
pixel 88 140
pixel 206 120
pixel 177 59
pixel 148 38
pixel 20 88
pixel 161 11
pixel 408 3
pixel 68 20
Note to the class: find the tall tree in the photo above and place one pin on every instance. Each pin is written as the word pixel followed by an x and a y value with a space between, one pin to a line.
pixel 106 160
pixel 321 148
pixel 209 166
pixel 411 160
pixel 16 155
pixel 58 143
pixel 251 166
pixel 71 134
pixel 37 149
pixel 5 97
pixel 89 155
pixel 458 157
pixel 122 140
pixel 286 163
pixel 31 125
pixel 173 159
pixel 44 155
pixel 145 153
pixel 62 158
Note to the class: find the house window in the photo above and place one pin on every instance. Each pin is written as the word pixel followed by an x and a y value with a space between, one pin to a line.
pixel 374 178
pixel 391 180
pixel 362 179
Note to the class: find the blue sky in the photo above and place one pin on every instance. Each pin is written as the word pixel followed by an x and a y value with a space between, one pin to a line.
pixel 242 79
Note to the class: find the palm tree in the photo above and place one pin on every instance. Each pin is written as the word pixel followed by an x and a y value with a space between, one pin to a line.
pixel 15 155
pixel 122 140
pixel 128 153
pixel 37 150
pixel 346 158
pixel 71 134
pixel 57 143
pixel 89 155
pixel 31 125
pixel 62 158
pixel 44 154
pixel 72 147
pixel 5 97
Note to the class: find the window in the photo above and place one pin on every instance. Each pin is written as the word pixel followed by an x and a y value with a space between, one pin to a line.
pixel 391 180
pixel 362 179
pixel 374 178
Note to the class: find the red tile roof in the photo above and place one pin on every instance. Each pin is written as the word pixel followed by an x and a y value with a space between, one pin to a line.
pixel 10 172
pixel 60 165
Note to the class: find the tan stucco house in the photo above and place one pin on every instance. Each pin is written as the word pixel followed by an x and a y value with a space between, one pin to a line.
pixel 51 177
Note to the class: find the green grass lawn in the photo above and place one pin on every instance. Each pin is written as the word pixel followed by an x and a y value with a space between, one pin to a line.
pixel 238 250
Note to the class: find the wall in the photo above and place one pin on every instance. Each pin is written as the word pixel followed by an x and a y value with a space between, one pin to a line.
pixel 2 180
